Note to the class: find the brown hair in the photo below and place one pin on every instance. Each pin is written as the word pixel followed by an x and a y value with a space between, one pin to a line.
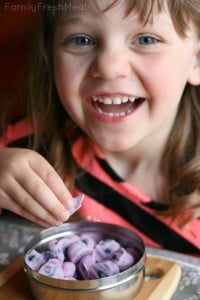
pixel 181 160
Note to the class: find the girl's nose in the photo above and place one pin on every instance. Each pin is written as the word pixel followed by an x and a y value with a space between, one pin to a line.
pixel 110 65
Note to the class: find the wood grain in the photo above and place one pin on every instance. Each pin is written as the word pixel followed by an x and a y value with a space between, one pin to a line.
pixel 14 284
pixel 168 275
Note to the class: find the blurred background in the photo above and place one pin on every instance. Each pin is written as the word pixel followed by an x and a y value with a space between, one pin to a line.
pixel 17 23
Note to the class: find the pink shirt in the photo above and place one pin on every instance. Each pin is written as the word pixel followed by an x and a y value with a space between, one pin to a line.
pixel 108 198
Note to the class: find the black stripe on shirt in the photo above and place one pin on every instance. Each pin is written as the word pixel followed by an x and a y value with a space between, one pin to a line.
pixel 105 165
pixel 135 215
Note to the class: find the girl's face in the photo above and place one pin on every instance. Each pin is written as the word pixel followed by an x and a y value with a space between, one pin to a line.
pixel 119 80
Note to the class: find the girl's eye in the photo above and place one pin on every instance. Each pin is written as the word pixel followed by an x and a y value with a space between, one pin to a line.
pixel 82 41
pixel 146 40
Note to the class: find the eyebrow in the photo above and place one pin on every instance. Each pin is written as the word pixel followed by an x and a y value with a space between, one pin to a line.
pixel 74 19
pixel 82 18
pixel 70 19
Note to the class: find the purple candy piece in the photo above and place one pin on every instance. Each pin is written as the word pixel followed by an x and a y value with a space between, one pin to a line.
pixel 77 250
pixel 63 243
pixel 57 254
pixel 69 269
pixel 95 236
pixel 53 244
pixel 52 268
pixel 34 259
pixel 123 259
pixel 105 249
pixel 85 264
pixel 89 242
pixel 77 203
pixel 103 269
pixel 134 252
pixel 70 278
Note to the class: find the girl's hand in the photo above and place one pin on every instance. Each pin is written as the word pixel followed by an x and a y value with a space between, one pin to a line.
pixel 30 187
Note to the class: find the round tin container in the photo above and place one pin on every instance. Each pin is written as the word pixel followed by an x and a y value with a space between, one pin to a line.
pixel 124 285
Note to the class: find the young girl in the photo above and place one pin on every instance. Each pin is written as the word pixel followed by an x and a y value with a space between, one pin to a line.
pixel 114 111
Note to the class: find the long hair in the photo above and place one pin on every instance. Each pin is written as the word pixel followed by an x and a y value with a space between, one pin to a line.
pixel 181 159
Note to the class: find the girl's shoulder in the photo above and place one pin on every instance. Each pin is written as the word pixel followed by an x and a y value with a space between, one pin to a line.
pixel 17 131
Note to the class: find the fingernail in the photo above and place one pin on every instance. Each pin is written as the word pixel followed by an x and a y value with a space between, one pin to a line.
pixel 57 223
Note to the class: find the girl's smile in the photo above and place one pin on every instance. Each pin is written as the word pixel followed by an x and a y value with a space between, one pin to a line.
pixel 114 108
pixel 116 76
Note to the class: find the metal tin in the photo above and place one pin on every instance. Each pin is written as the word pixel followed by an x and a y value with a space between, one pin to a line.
pixel 120 286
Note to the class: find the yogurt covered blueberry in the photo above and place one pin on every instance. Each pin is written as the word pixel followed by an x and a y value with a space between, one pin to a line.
pixel 80 257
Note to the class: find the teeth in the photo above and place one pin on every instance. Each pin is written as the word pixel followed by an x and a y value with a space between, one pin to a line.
pixel 112 114
pixel 124 99
pixel 116 101
pixel 100 99
pixel 132 99
pixel 107 101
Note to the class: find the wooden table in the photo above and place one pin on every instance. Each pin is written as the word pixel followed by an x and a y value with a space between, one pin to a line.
pixel 14 284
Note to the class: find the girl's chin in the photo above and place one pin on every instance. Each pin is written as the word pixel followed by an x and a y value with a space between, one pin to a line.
pixel 114 146
pixel 115 142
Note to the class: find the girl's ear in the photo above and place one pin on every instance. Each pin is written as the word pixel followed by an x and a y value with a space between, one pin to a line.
pixel 194 75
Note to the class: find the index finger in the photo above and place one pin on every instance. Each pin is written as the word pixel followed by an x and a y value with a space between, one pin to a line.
pixel 55 183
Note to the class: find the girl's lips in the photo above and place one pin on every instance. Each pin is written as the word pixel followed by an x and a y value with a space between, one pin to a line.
pixel 116 107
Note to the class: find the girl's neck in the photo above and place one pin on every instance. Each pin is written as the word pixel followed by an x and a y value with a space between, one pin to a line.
pixel 141 167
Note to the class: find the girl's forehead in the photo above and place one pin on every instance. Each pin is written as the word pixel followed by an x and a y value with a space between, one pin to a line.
pixel 126 7
pixel 180 13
